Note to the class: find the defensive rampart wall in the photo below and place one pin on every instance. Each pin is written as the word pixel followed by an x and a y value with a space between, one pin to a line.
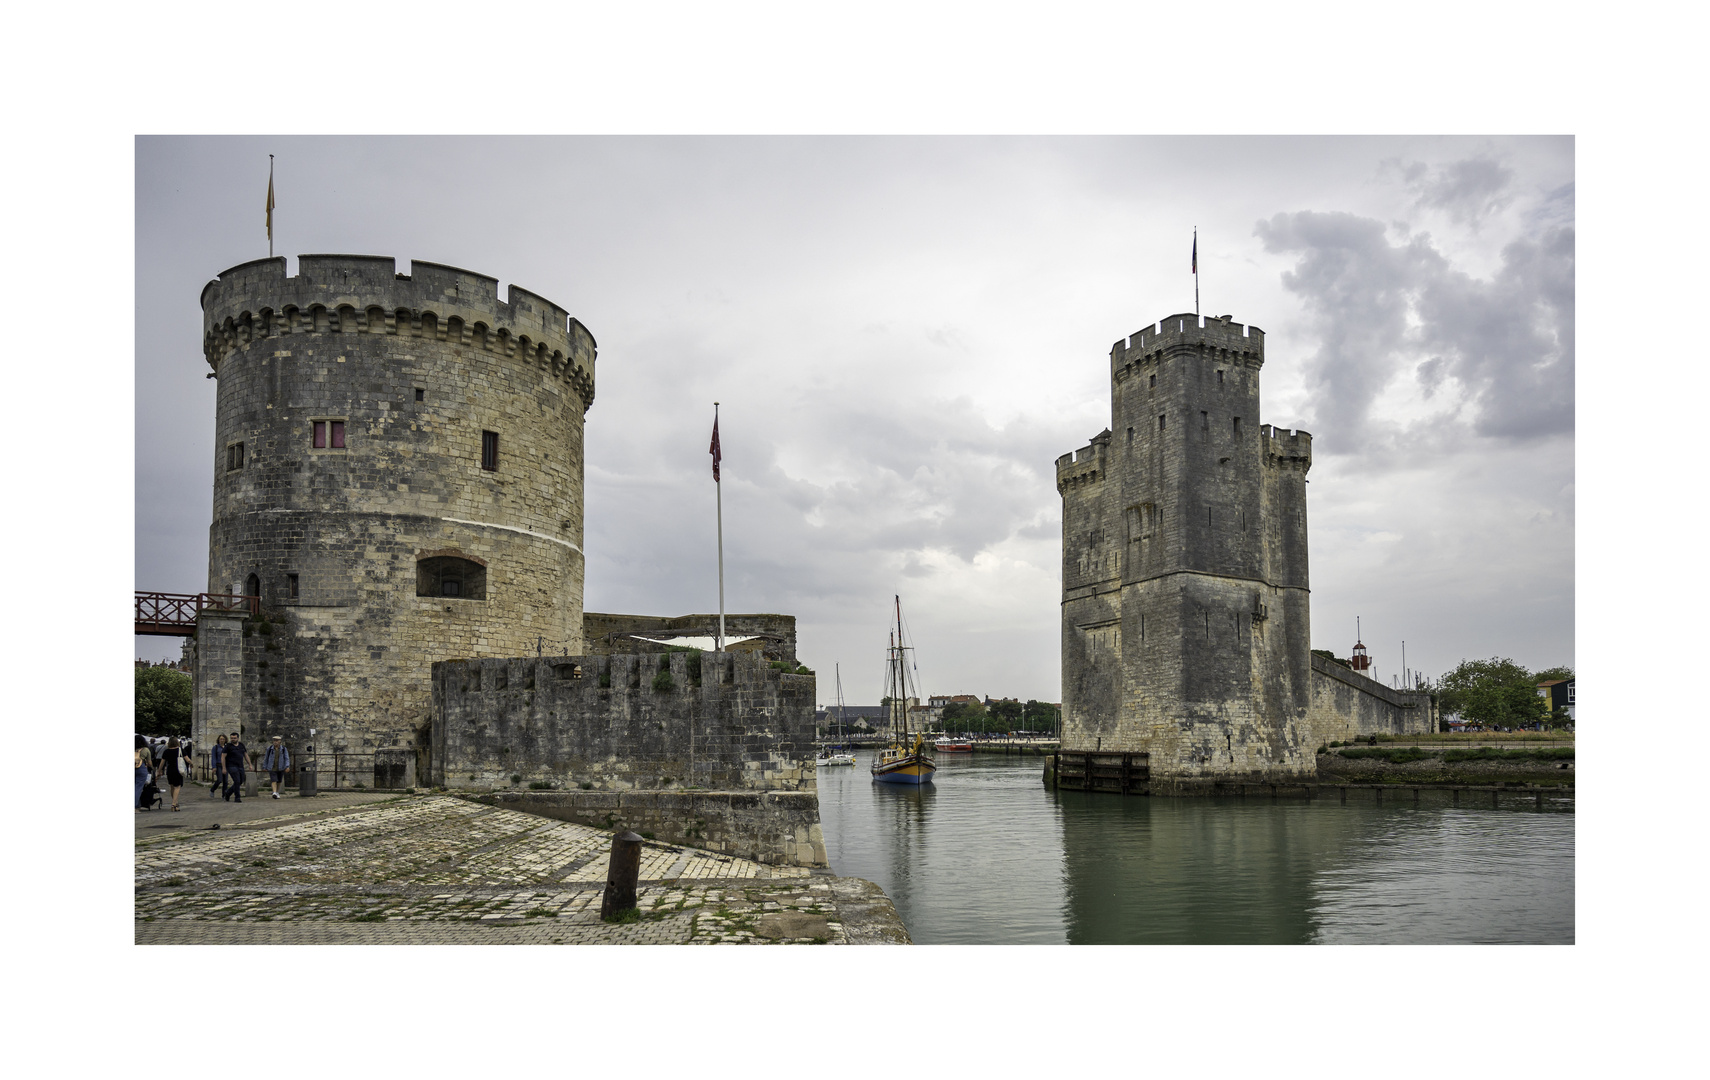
pixel 1346 705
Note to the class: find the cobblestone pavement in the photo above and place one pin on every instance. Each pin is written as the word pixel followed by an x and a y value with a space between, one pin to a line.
pixel 438 870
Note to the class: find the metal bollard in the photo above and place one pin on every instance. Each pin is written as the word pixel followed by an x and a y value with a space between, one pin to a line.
pixel 621 875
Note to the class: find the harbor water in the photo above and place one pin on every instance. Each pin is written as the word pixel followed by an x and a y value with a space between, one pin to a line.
pixel 989 855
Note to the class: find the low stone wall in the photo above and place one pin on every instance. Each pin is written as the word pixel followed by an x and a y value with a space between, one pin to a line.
pixel 1345 705
pixel 779 828
pixel 672 721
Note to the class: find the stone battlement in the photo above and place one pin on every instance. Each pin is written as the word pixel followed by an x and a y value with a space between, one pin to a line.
pixel 1243 342
pixel 1084 466
pixel 1285 447
pixel 363 294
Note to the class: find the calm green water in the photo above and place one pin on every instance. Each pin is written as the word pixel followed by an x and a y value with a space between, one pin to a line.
pixel 989 855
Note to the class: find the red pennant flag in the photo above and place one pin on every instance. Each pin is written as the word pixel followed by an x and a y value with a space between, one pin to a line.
pixel 713 450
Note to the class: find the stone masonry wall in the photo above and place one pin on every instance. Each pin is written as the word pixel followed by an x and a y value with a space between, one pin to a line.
pixel 345 545
pixel 599 723
pixel 1346 705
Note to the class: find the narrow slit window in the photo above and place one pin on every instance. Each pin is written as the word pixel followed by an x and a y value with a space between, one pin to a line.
pixel 291 585
pixel 1220 378
pixel 1237 427
pixel 234 457
pixel 1160 422
pixel 1153 382
pixel 490 451
pixel 1130 436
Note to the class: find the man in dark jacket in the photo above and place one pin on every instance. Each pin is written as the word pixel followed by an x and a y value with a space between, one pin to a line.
pixel 217 762
pixel 237 762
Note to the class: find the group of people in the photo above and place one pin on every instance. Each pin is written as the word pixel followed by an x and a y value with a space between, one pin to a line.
pixel 229 760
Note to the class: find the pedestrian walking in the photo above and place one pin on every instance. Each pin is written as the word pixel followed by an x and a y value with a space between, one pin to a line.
pixel 173 762
pixel 216 761
pixel 144 761
pixel 276 761
pixel 237 762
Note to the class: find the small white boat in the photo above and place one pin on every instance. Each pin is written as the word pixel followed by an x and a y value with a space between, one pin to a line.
pixel 836 755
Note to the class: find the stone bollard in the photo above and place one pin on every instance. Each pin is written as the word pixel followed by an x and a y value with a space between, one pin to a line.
pixel 621 875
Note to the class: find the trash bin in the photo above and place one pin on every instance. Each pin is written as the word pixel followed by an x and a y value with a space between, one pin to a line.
pixel 307 784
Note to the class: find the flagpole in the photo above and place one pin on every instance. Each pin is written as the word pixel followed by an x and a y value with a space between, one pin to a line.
pixel 718 486
pixel 270 206
pixel 1196 271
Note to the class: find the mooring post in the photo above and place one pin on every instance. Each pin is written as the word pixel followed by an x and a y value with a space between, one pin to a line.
pixel 1493 794
pixel 621 875
pixel 1457 796
pixel 1344 792
pixel 1540 800
pixel 1378 791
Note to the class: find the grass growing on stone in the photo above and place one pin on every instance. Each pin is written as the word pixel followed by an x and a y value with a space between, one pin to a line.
pixel 1487 753
pixel 1395 755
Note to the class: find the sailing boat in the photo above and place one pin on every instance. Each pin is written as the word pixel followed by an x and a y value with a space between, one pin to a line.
pixel 836 755
pixel 904 761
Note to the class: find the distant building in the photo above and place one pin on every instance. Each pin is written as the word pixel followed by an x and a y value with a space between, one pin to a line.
pixel 1558 694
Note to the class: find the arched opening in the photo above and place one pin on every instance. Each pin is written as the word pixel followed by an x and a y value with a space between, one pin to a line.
pixel 252 586
pixel 451 577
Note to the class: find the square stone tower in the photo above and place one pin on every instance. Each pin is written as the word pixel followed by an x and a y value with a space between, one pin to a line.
pixel 1186 625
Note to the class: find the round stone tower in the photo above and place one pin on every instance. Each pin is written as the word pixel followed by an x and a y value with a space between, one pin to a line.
pixel 398 476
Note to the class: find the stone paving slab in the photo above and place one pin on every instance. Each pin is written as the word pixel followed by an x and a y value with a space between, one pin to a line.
pixel 439 870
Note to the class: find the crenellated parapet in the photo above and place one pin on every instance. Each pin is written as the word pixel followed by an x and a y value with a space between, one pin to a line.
pixel 1287 449
pixel 363 294
pixel 1084 466
pixel 1219 339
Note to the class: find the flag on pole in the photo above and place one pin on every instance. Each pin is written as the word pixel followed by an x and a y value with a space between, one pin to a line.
pixel 1195 251
pixel 713 450
pixel 270 204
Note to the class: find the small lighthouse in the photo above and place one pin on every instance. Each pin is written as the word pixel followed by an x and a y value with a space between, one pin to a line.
pixel 1358 660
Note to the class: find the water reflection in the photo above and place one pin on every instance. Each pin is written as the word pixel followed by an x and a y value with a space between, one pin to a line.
pixel 989 855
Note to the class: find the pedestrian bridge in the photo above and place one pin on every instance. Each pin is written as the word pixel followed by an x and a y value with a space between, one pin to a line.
pixel 174 614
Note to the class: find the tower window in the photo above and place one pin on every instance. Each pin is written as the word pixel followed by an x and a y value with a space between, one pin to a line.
pixel 1220 378
pixel 1237 427
pixel 420 393
pixel 234 457
pixel 451 576
pixel 328 435
pixel 1130 436
pixel 252 586
pixel 490 451
pixel 1160 422
pixel 291 585
pixel 1153 381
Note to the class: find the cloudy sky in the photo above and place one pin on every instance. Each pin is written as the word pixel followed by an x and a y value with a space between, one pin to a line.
pixel 906 332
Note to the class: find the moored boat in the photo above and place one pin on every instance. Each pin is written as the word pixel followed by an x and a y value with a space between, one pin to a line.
pixel 905 760
pixel 953 746
pixel 836 755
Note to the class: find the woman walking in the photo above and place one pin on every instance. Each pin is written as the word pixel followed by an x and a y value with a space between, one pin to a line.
pixel 276 761
pixel 173 759
pixel 216 759
pixel 143 760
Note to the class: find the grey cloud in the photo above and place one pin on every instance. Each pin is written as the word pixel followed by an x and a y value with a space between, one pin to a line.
pixel 1468 190
pixel 1380 308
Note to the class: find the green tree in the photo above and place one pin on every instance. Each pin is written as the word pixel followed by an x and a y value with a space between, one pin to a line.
pixel 1495 692
pixel 1038 716
pixel 1007 713
pixel 163 702
pixel 1551 674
